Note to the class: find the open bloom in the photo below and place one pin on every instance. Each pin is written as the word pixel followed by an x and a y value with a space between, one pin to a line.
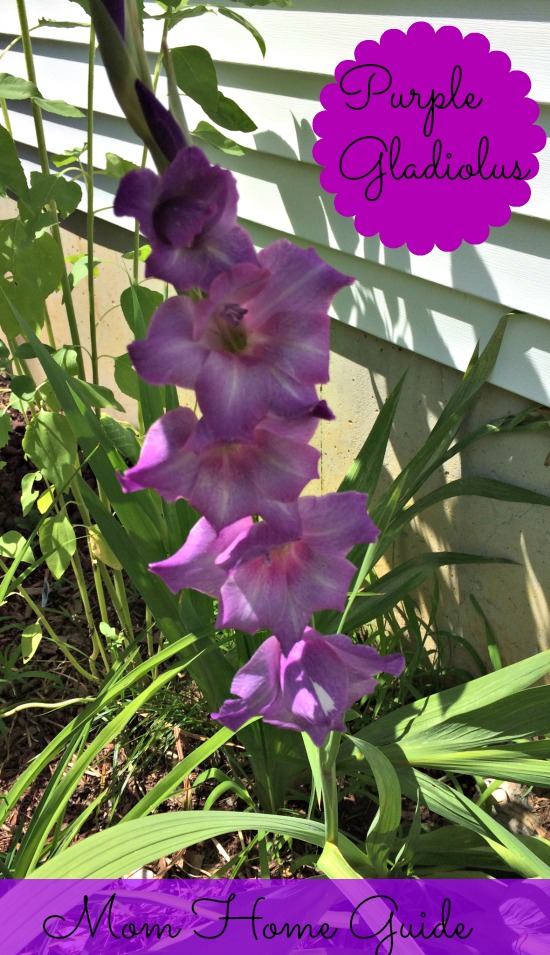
pixel 189 216
pixel 259 343
pixel 225 480
pixel 310 688
pixel 276 573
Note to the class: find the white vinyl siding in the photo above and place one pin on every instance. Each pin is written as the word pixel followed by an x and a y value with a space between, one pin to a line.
pixel 437 305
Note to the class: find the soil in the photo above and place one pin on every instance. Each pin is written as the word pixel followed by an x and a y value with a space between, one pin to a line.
pixel 49 678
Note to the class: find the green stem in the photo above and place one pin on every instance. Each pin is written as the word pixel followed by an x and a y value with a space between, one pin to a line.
pixel 6 116
pixel 327 754
pixel 90 207
pixel 45 165
pixel 49 630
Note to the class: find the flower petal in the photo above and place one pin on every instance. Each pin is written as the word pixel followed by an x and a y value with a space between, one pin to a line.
pixel 199 563
pixel 169 355
pixel 164 463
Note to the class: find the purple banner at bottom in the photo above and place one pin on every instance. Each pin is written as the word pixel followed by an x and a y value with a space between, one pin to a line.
pixel 392 917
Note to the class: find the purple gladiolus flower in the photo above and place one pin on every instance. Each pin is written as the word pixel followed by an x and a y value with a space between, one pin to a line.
pixel 310 688
pixel 276 573
pixel 225 480
pixel 259 343
pixel 164 129
pixel 189 216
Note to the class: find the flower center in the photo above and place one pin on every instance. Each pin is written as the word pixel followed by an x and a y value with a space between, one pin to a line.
pixel 232 334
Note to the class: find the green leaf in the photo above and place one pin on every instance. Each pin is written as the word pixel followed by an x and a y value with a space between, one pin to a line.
pixel 14 546
pixel 493 648
pixel 129 845
pixel 51 446
pixel 28 492
pixel 12 87
pixel 147 299
pixel 69 157
pixel 23 386
pixel 264 3
pixel 67 357
pixel 231 116
pixel 11 171
pixel 95 396
pixel 36 269
pixel 209 134
pixel 172 19
pixel 227 12
pixel 79 270
pixel 46 188
pixel 196 75
pixel 116 167
pixel 388 818
pixel 364 473
pixel 332 863
pixel 5 428
pixel 100 548
pixel 60 24
pixel 58 107
pixel 30 641
pixel 123 438
pixel 57 543
pixel 126 377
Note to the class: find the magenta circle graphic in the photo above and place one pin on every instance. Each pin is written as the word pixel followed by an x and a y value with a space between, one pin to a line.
pixel 428 138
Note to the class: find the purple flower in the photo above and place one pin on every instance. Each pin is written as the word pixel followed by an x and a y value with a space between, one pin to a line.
pixel 225 480
pixel 189 216
pixel 276 573
pixel 259 343
pixel 310 688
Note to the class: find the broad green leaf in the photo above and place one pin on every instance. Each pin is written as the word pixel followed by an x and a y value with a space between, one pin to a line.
pixel 465 703
pixel 14 546
pixel 51 446
pixel 23 386
pixel 233 15
pixel 147 299
pixel 45 500
pixel 125 847
pixel 196 75
pixel 30 641
pixel 46 187
pixel 28 492
pixel 333 864
pixel 13 87
pixel 36 269
pixel 116 167
pixel 57 543
pixel 5 428
pixel 100 548
pixel 67 357
pixel 209 134
pixel 122 436
pixel 229 115
pixel 381 835
pixel 12 176
pixel 126 377
pixel 58 107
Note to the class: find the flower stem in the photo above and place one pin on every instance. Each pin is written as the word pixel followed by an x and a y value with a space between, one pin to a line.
pixel 90 207
pixel 45 165
pixel 328 754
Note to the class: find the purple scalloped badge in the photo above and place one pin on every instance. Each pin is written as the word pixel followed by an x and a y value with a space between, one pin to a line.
pixel 428 138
